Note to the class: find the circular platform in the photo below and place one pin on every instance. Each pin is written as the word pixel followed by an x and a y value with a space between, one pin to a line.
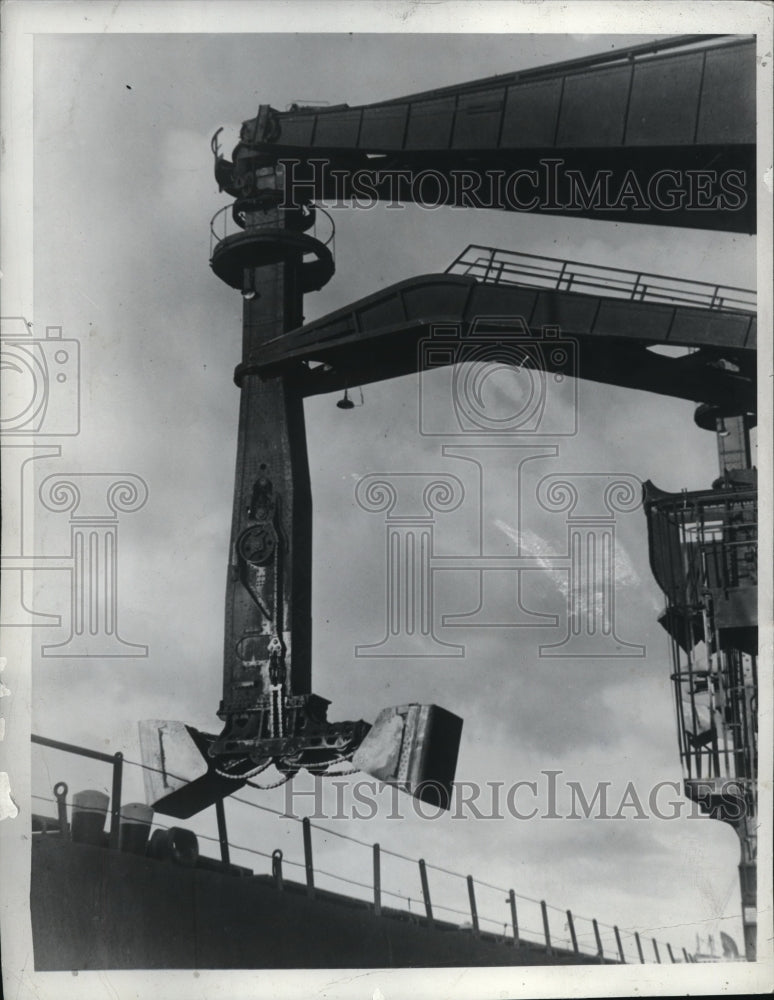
pixel 258 248
pixel 707 415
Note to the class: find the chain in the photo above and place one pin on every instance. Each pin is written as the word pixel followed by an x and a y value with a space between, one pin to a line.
pixel 276 684
pixel 274 784
pixel 321 771
pixel 335 774
pixel 242 777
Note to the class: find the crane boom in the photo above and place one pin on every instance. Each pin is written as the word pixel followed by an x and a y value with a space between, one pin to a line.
pixel 662 134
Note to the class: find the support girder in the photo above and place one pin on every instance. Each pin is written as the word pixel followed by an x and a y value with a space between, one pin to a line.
pixel 390 333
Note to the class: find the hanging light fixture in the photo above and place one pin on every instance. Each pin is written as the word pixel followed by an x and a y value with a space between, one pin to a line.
pixel 345 403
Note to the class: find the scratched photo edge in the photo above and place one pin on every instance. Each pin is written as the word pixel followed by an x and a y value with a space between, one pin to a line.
pixel 492 981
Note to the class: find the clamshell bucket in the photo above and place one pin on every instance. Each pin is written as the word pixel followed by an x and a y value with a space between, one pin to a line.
pixel 414 747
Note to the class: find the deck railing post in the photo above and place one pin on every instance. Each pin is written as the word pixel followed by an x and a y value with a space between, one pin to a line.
pixel 514 917
pixel 426 892
pixel 655 948
pixel 308 863
pixel 600 949
pixel 377 881
pixel 546 928
pixel 671 955
pixel 115 800
pixel 620 946
pixel 473 908
pixel 573 937
pixel 639 946
pixel 490 264
pixel 220 814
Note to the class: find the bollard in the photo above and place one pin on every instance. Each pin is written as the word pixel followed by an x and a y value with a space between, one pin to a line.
pixel 88 818
pixel 176 844
pixel 136 819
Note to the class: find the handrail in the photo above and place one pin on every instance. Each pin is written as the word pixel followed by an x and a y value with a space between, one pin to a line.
pixel 492 265
pixel 514 937
pixel 233 228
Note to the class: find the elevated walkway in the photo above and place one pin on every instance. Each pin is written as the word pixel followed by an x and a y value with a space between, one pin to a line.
pixel 678 338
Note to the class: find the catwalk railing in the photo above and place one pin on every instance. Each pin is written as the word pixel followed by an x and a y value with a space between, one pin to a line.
pixel 491 911
pixel 491 265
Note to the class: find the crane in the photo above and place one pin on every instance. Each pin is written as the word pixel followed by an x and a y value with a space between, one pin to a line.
pixel 672 116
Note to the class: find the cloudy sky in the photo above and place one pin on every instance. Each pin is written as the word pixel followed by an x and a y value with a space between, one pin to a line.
pixel 123 193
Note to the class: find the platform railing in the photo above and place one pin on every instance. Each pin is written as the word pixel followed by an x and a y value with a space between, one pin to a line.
pixel 495 266
pixel 231 220
pixel 496 913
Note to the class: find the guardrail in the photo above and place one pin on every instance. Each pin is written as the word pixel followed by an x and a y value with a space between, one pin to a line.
pixel 233 219
pixel 522 921
pixel 495 266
